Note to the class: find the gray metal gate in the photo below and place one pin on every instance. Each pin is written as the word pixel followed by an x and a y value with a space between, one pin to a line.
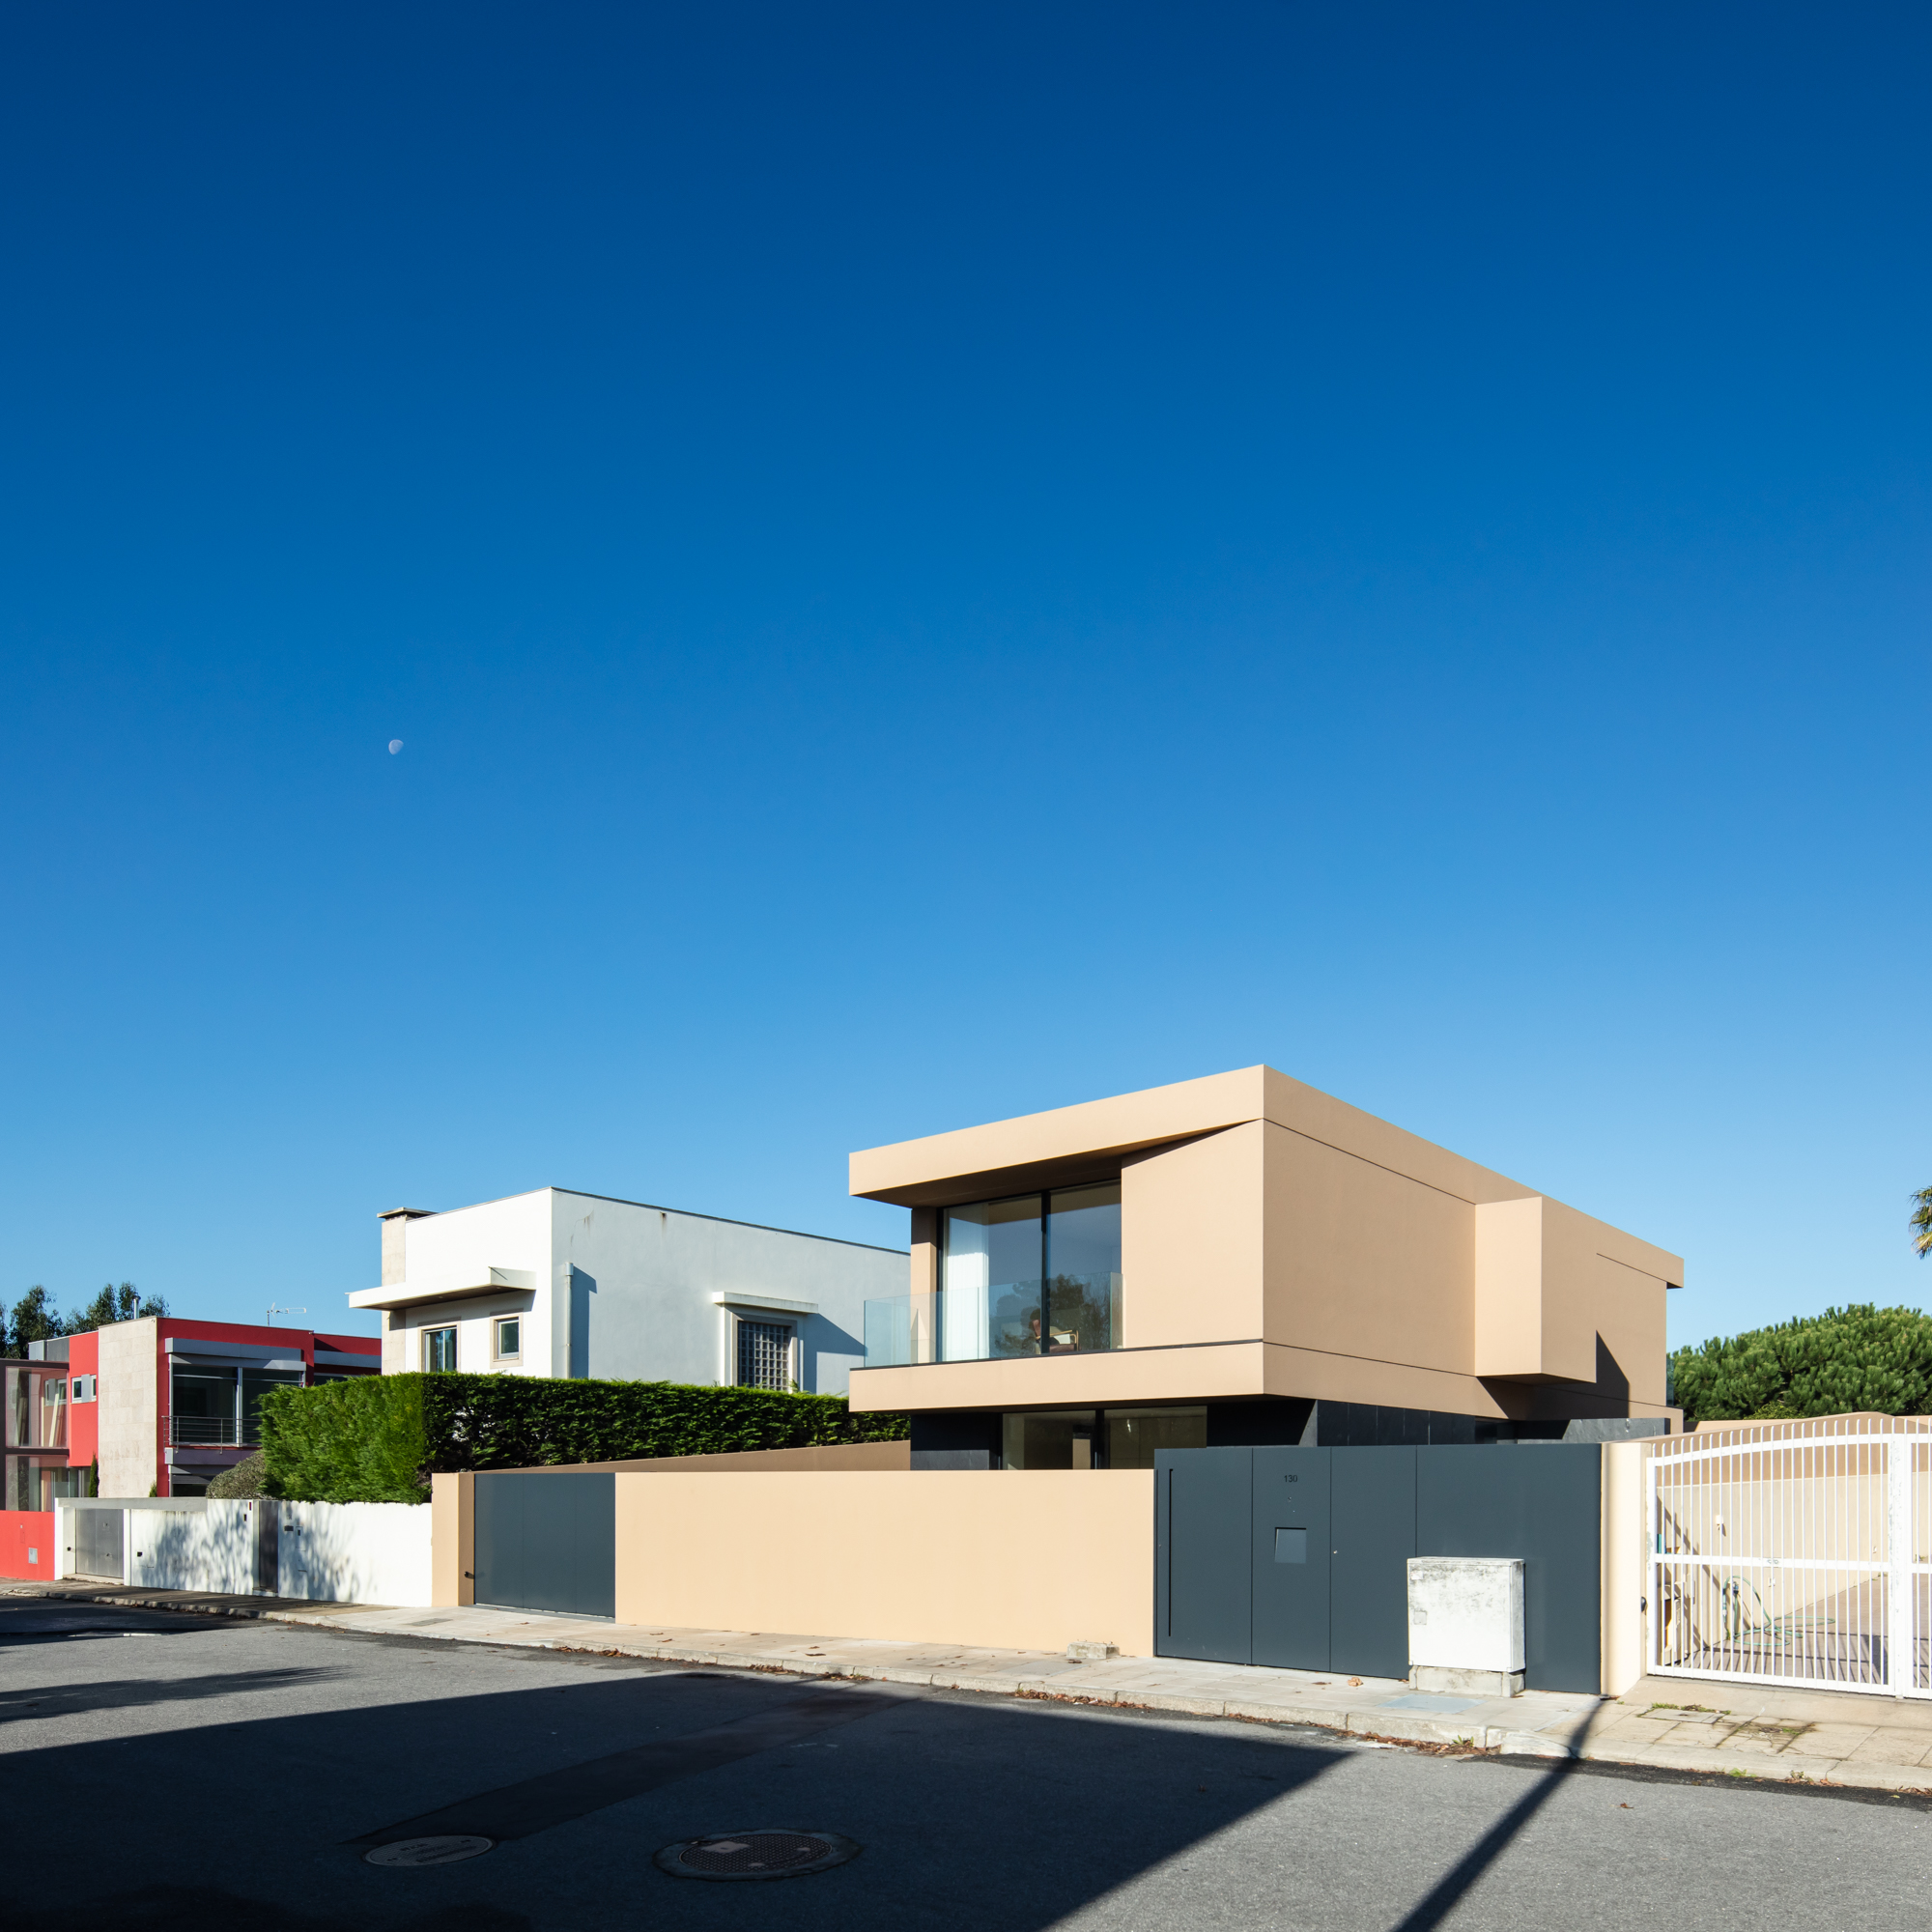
pixel 98 1543
pixel 547 1543
pixel 1298 1558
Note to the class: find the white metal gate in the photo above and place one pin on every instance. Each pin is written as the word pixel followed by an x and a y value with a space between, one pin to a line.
pixel 1794 1553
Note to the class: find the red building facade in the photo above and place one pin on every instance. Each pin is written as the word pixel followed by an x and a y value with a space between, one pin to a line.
pixel 159 1407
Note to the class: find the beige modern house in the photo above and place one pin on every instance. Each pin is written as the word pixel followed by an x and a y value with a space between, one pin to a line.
pixel 1244 1260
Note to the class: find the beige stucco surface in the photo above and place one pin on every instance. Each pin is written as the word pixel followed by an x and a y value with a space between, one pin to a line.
pixel 1364 1262
pixel 1096 1130
pixel 1191 1222
pixel 1019 1559
pixel 1623 1566
pixel 452 1504
pixel 128 1397
pixel 1276 1241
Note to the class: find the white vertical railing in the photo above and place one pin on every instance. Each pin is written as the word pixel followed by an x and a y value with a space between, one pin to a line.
pixel 1794 1553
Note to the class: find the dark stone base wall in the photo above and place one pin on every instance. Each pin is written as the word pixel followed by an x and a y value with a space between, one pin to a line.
pixel 970 1439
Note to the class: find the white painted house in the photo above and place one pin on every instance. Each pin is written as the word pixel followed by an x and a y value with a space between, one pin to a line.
pixel 553 1283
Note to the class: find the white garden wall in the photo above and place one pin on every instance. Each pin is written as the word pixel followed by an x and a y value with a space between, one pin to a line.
pixel 212 1548
pixel 356 1554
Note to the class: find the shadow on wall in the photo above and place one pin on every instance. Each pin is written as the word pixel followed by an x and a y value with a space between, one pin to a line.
pixel 356 1554
pixel 206 1548
pixel 581 1288
pixel 1613 1384
pixel 835 1355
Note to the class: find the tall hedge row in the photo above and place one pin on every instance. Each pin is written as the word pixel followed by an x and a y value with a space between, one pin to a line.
pixel 1843 1361
pixel 380 1438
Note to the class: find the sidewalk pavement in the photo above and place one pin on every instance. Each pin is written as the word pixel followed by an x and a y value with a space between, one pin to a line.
pixel 1817 1737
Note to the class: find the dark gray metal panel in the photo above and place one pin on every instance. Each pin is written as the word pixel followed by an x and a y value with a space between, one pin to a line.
pixel 1372 1534
pixel 267 1546
pixel 547 1543
pixel 1202 1584
pixel 1542 1502
pixel 955 1440
pixel 1290 1616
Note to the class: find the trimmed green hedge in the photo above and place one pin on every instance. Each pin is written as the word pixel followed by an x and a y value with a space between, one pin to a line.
pixel 380 1438
pixel 1837 1363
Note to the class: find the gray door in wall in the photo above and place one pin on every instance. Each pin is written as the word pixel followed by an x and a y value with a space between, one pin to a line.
pixel 1298 1558
pixel 1374 1504
pixel 1202 1571
pixel 1288 1561
pixel 547 1543
pixel 98 1542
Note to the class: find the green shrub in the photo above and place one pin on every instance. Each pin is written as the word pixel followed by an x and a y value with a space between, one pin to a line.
pixel 1844 1360
pixel 380 1438
pixel 245 1479
pixel 358 1440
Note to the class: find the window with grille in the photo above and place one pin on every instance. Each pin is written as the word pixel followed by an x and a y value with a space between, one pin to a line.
pixel 764 1354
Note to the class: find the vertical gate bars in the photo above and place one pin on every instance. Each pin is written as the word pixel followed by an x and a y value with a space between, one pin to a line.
pixel 1794 1553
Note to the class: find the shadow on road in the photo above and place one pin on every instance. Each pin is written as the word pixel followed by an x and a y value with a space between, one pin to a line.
pixel 971 1813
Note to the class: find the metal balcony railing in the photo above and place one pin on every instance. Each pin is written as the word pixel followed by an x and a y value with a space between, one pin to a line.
pixel 213 1432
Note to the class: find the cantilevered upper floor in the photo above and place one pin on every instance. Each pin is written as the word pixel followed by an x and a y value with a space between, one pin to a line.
pixel 1244 1238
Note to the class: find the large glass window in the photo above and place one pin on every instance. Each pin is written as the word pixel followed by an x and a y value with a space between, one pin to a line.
pixel 1049 1439
pixel 1032 1274
pixel 1083 1265
pixel 1109 1438
pixel 255 1384
pixel 202 1406
pixel 53 1412
pixel 990 1290
pixel 1133 1435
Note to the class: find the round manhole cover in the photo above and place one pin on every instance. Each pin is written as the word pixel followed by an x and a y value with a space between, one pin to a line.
pixel 428 1850
pixel 766 1854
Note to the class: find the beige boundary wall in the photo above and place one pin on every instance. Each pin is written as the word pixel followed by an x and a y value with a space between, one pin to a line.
pixel 1624 1566
pixel 1017 1559
pixel 1012 1559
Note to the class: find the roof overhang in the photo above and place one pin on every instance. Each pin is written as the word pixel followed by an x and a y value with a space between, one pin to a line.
pixel 1060 1148
pixel 425 1289
pixel 725 1298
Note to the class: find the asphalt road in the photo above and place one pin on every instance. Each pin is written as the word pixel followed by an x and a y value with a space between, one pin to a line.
pixel 223 1776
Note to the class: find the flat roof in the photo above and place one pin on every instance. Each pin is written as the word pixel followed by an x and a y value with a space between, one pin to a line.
pixel 690 1214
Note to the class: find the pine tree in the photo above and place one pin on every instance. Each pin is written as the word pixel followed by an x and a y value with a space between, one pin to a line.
pixel 36 1319
pixel 111 1305
pixel 1844 1360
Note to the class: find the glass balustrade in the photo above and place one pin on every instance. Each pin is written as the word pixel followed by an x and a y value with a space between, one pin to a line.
pixel 1061 1313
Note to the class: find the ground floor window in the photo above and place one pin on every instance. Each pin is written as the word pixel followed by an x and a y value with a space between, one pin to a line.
pixel 764 1354
pixel 1097 1438
pixel 33 1482
pixel 438 1350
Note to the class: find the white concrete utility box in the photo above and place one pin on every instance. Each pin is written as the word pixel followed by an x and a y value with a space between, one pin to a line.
pixel 1465 1624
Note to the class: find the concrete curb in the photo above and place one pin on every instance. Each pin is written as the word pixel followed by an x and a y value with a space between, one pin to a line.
pixel 1374 1723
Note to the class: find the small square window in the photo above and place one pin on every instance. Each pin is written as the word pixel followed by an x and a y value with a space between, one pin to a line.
pixel 510 1338
pixel 438 1350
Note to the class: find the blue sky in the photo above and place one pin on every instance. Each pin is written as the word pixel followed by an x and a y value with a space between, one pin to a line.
pixel 937 562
